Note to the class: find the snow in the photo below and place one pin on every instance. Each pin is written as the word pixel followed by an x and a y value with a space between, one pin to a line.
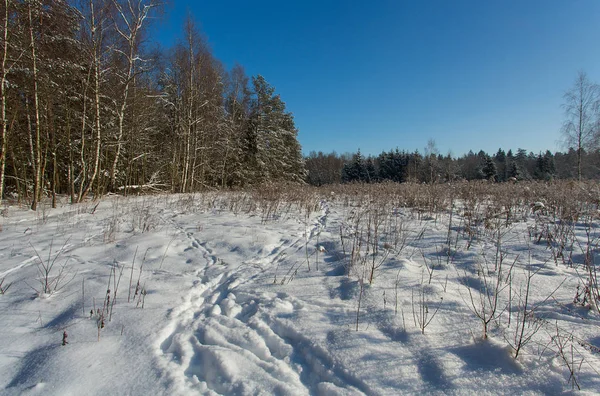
pixel 226 303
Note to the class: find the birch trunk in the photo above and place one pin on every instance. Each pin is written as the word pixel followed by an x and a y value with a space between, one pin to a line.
pixel 96 40
pixel 37 166
pixel 3 83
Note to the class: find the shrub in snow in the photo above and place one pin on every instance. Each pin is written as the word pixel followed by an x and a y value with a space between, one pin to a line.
pixel 3 288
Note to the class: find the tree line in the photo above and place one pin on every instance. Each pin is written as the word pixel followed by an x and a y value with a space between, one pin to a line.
pixel 432 167
pixel 580 134
pixel 88 106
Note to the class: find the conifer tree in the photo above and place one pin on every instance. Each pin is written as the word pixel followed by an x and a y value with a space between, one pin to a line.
pixel 545 168
pixel 273 142
pixel 489 170
pixel 355 171
pixel 371 174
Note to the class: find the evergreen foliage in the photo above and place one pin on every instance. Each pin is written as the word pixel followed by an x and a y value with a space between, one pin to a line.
pixel 545 167
pixel 488 169
pixel 275 152
pixel 355 171
pixel 401 166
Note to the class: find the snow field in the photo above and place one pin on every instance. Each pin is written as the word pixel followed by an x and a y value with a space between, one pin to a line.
pixel 230 306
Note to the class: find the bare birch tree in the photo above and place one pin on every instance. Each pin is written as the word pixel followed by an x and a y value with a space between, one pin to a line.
pixel 582 112
pixel 129 22
pixel 97 19
pixel 3 95
pixel 34 137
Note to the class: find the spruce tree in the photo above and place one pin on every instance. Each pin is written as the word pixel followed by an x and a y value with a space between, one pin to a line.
pixel 500 159
pixel 277 152
pixel 371 175
pixel 355 171
pixel 521 160
pixel 489 169
pixel 545 168
pixel 513 170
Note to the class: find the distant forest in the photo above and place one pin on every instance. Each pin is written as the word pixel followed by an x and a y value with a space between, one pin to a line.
pixel 432 167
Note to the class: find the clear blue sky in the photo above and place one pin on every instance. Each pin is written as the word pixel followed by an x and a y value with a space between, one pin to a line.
pixel 375 75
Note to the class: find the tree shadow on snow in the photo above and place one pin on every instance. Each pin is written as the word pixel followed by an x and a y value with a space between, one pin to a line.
pixel 64 317
pixel 431 371
pixel 338 270
pixel 484 355
pixel 394 333
pixel 472 282
pixel 347 290
pixel 595 344
pixel 32 366
pixel 580 258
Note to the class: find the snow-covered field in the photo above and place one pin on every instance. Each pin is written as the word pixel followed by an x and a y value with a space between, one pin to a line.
pixel 222 293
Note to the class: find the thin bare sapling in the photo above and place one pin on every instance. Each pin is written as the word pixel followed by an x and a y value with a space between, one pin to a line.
pixel 52 277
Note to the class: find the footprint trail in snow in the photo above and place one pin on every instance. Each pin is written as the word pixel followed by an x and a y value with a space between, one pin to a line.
pixel 227 338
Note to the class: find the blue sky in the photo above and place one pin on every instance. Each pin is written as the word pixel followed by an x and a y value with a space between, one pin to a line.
pixel 381 74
